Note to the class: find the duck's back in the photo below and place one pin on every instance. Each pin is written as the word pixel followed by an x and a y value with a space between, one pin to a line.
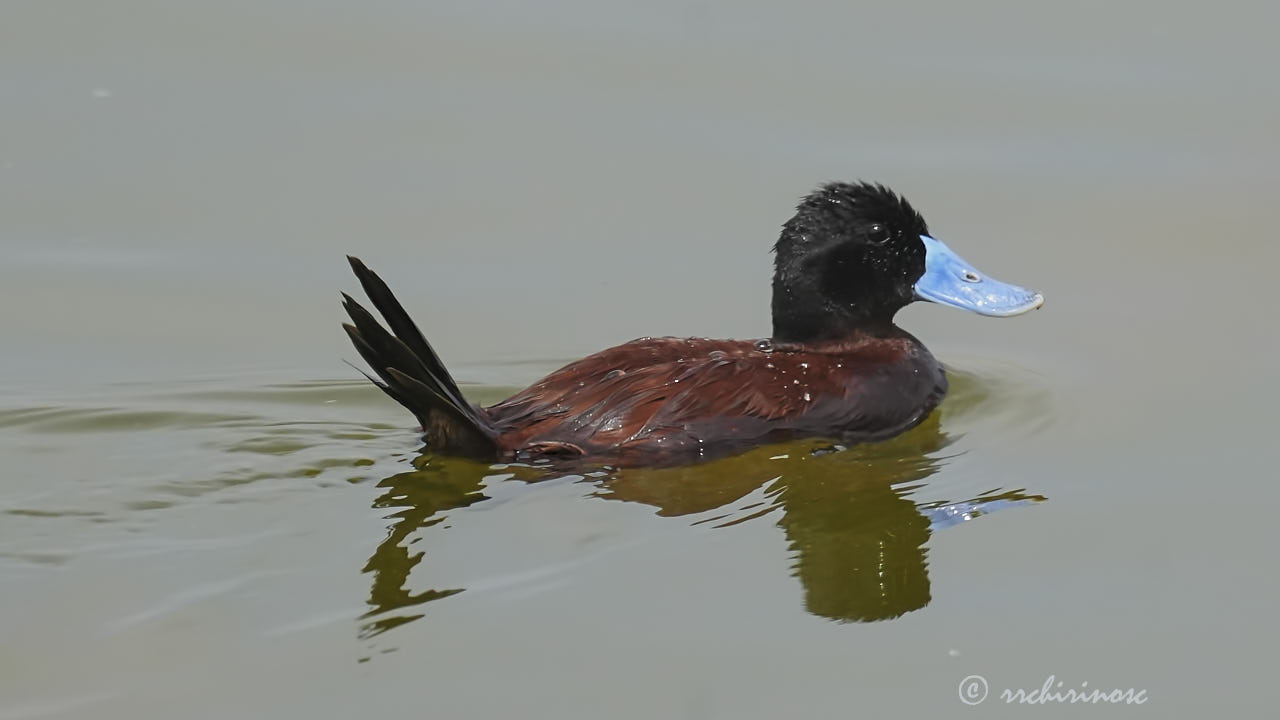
pixel 681 398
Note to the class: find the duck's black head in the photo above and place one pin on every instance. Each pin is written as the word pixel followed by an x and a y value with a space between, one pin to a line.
pixel 857 253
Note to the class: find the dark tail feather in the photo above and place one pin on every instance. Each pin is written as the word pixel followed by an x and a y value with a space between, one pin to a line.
pixel 401 324
pixel 411 373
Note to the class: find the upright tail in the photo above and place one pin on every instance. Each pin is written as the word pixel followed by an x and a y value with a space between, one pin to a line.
pixel 412 374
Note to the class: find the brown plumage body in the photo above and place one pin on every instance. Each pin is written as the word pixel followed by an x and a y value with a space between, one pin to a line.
pixel 671 399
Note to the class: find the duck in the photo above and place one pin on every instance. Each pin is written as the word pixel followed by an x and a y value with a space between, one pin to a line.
pixel 835 366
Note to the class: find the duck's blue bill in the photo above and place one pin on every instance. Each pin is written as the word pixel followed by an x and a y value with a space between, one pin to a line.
pixel 949 280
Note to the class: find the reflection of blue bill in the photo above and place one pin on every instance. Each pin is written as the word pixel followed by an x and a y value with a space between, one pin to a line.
pixel 943 516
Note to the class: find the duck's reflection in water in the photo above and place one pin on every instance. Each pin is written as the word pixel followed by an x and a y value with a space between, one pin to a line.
pixel 857 536
pixel 422 495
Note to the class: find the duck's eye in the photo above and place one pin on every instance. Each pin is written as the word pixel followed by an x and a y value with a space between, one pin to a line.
pixel 878 234
pixel 971 276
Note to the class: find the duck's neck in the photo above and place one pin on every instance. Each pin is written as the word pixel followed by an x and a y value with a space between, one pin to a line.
pixel 801 315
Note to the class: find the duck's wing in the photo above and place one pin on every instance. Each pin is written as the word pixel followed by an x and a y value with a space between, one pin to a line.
pixel 635 380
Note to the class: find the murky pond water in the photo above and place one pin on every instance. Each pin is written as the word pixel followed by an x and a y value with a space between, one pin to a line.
pixel 204 513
